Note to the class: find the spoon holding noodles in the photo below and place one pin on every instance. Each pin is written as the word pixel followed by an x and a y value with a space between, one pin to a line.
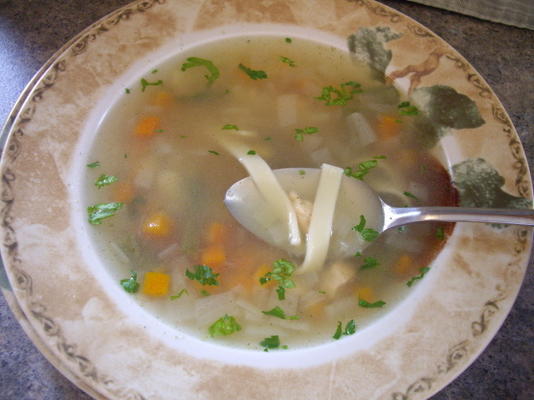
pixel 338 215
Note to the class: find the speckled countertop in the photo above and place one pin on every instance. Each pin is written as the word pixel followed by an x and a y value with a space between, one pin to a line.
pixel 31 31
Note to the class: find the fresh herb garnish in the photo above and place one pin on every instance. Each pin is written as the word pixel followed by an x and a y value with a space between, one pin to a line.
pixel 368 234
pixel 224 326
pixel 300 132
pixel 127 91
pixel 154 71
pixel 363 168
pixel 268 139
pixel 369 262
pixel 358 254
pixel 321 292
pixel 130 284
pixel 423 272
pixel 203 274
pixel 288 40
pixel 230 127
pixel 281 292
pixel 350 329
pixel 440 233
pixel 179 294
pixel 100 211
pixel 205 293
pixel 411 195
pixel 93 164
pixel 145 83
pixel 279 313
pixel 213 152
pixel 272 342
pixel 302 172
pixel 253 74
pixel 282 271
pixel 365 304
pixel 288 61
pixel 213 71
pixel 402 228
pixel 333 96
pixel 104 180
pixel 251 152
pixel 405 108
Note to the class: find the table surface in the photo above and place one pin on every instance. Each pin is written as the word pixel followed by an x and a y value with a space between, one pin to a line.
pixel 31 31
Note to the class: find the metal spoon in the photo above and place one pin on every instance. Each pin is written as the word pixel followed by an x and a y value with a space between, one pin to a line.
pixel 356 198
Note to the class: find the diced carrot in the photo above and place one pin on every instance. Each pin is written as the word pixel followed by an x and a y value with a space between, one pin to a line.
pixel 216 232
pixel 403 265
pixel 156 284
pixel 157 225
pixel 161 99
pixel 213 256
pixel 366 293
pixel 316 309
pixel 123 192
pixel 387 127
pixel 148 126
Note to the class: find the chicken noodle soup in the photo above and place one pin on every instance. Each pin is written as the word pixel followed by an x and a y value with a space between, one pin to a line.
pixel 159 170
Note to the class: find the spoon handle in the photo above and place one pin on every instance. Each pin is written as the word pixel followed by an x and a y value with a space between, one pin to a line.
pixel 402 216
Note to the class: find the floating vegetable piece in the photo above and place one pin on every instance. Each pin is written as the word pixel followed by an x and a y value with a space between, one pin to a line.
pixel 224 326
pixel 156 284
pixel 101 211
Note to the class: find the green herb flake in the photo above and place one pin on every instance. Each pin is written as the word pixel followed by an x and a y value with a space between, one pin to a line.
pixel 125 155
pixel 253 74
pixel 402 228
pixel 333 96
pixel 230 127
pixel 321 292
pixel 423 272
pixel 440 233
pixel 368 234
pixel 380 157
pixel 203 274
pixel 302 172
pixel 251 152
pixel 282 272
pixel 216 153
pixel 98 212
pixel 287 61
pixel 410 195
pixel 213 71
pixel 369 262
pixel 300 132
pixel 127 91
pixel 130 284
pixel 224 326
pixel 179 294
pixel 350 329
pixel 270 343
pixel 339 331
pixel 154 71
pixel 405 108
pixel 268 139
pixel 288 40
pixel 363 168
pixel 93 164
pixel 281 292
pixel 104 180
pixel 205 293
pixel 145 84
pixel 358 254
pixel 279 313
pixel 365 304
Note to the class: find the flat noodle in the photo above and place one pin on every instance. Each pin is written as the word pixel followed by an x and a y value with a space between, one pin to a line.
pixel 324 207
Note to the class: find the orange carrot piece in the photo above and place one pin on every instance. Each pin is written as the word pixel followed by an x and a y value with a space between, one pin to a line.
pixel 157 225
pixel 216 232
pixel 123 192
pixel 156 284
pixel 366 293
pixel 161 99
pixel 147 126
pixel 403 265
pixel 316 309
pixel 387 127
pixel 213 256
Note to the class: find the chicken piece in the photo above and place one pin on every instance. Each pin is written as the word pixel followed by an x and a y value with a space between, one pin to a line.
pixel 337 275
pixel 303 210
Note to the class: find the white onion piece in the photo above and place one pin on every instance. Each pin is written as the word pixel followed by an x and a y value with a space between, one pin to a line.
pixel 361 129
pixel 324 207
pixel 269 187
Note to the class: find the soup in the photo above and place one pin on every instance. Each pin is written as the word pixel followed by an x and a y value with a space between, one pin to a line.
pixel 160 167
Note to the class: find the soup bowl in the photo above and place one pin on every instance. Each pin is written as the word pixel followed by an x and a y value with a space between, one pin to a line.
pixel 108 345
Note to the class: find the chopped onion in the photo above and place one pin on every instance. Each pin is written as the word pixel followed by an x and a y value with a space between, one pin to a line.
pixel 286 107
pixel 360 128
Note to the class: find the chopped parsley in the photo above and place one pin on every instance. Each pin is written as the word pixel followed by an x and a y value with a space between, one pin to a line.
pixel 179 294
pixel 100 211
pixel 350 329
pixel 405 108
pixel 365 304
pixel 281 292
pixel 368 234
pixel 205 293
pixel 251 152
pixel 268 139
pixel 333 96
pixel 130 284
pixel 369 262
pixel 271 342
pixel 93 164
pixel 253 74
pixel 440 233
pixel 288 61
pixel 423 272
pixel 358 254
pixel 224 326
pixel 104 180
pixel 363 168
pixel 216 153
pixel 300 132
pixel 203 274
pixel 411 195
pixel 154 71
pixel 402 228
pixel 279 313
pixel 127 91
pixel 282 271
pixel 302 172
pixel 213 71
pixel 288 40
pixel 230 127
pixel 145 83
